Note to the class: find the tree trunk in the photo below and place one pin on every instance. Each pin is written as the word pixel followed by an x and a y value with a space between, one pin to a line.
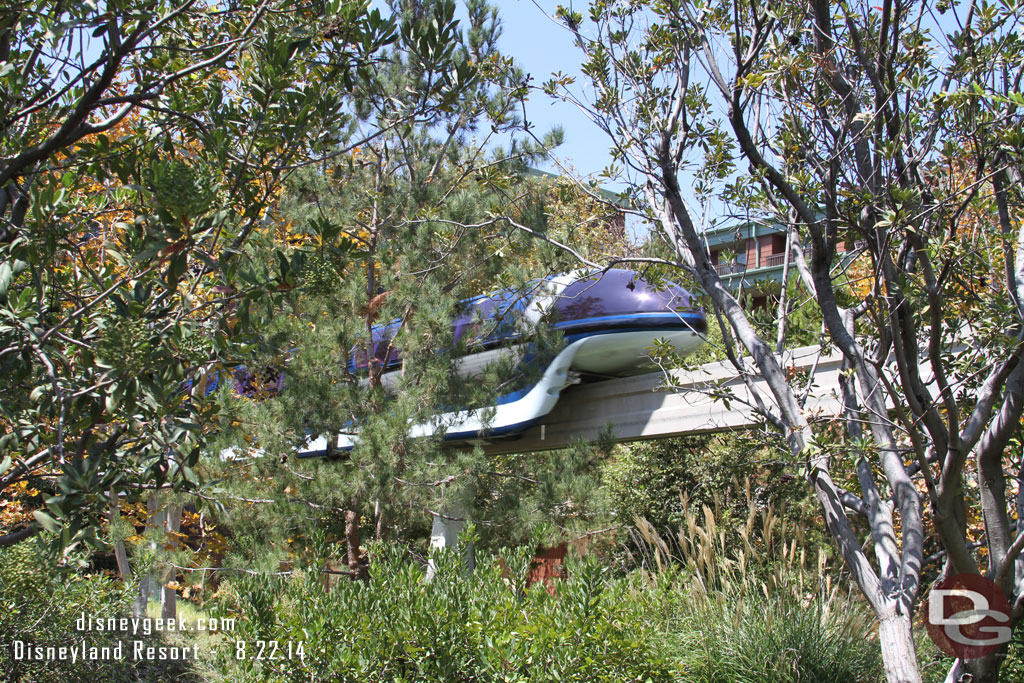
pixel 355 557
pixel 113 517
pixel 378 517
pixel 898 652
pixel 985 669
pixel 169 596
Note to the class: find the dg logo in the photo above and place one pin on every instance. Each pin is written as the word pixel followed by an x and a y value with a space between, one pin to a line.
pixel 968 616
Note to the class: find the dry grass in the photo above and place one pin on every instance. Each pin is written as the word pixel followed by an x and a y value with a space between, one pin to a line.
pixel 753 604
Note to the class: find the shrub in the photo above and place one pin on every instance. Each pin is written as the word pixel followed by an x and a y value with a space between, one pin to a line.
pixel 757 607
pixel 39 605
pixel 663 481
pixel 780 639
pixel 480 626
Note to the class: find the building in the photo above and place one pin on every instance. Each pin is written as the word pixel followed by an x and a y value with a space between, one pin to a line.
pixel 750 257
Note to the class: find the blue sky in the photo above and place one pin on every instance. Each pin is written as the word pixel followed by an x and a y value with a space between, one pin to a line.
pixel 542 46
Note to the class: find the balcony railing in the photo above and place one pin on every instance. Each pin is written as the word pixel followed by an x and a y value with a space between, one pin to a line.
pixel 773 260
pixel 730 268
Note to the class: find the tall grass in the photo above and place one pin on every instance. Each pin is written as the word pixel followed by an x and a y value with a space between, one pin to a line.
pixel 750 605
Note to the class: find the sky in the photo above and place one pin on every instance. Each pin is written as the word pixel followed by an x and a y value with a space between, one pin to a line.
pixel 542 46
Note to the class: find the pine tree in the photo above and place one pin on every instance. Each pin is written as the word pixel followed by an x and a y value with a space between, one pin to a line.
pixel 400 231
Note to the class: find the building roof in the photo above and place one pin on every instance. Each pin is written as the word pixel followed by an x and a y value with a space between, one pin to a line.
pixel 605 194
pixel 740 232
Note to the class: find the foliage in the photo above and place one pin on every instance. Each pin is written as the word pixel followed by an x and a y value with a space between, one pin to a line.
pixel 562 210
pixel 667 483
pixel 780 639
pixel 761 603
pixel 691 621
pixel 129 182
pixel 40 606
pixel 760 610
pixel 651 479
pixel 484 626
pixel 399 626
pixel 881 127
pixel 543 498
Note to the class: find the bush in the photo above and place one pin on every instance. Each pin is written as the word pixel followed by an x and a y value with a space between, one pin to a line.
pixel 483 626
pixel 650 479
pixel 755 607
pixel 663 481
pixel 39 605
pixel 701 624
pixel 780 639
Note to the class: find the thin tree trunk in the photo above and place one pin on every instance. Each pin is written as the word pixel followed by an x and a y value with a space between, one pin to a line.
pixel 782 316
pixel 169 596
pixel 355 558
pixel 378 516
pixel 898 651
pixel 113 517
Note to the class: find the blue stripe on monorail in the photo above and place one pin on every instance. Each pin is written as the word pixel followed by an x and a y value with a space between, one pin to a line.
pixel 653 321
pixel 685 321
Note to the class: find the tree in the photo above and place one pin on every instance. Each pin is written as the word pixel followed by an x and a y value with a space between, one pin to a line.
pixel 848 121
pixel 401 231
pixel 141 144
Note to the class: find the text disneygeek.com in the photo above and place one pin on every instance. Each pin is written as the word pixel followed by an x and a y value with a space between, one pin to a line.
pixel 137 650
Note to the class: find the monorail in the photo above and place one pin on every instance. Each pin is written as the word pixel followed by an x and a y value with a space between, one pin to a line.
pixel 609 320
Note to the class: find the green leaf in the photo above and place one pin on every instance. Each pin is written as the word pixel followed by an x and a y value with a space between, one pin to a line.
pixel 177 268
pixel 46 521
pixel 38 392
pixel 6 275
pixel 8 441
pixel 113 399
